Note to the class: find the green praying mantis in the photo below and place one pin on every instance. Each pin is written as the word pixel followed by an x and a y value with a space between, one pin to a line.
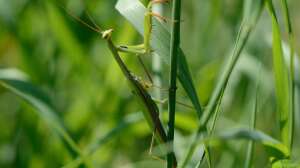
pixel 137 85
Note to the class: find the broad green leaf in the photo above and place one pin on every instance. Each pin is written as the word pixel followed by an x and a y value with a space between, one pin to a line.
pixel 274 147
pixel 133 11
pixel 281 81
pixel 13 80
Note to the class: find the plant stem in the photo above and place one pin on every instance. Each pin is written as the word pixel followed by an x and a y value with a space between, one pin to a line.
pixel 250 148
pixel 175 42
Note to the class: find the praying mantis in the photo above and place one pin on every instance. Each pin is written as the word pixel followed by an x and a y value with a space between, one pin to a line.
pixel 138 87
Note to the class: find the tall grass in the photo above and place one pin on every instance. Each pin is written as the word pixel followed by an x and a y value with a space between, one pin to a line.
pixel 76 89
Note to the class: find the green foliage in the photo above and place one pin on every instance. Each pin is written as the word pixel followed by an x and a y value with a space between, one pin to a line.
pixel 65 103
pixel 281 81
pixel 275 148
pixel 40 101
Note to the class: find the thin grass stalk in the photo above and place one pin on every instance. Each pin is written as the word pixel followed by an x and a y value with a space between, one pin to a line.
pixel 250 148
pixel 288 26
pixel 207 153
pixel 174 51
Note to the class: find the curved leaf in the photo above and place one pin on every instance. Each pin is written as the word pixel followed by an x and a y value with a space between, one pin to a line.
pixel 282 84
pixel 274 147
pixel 14 81
pixel 93 147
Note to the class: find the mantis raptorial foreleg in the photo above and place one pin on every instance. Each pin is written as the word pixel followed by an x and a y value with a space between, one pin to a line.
pixel 145 47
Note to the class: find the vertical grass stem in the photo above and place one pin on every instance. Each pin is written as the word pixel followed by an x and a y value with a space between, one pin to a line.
pixel 174 50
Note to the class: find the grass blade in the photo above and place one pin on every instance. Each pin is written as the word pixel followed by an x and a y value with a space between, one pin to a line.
pixel 274 147
pixel 93 147
pixel 289 28
pixel 281 80
pixel 38 100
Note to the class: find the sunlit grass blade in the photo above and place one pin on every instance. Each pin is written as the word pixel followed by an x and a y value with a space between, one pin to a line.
pixel 133 11
pixel 39 101
pixel 281 74
pixel 288 26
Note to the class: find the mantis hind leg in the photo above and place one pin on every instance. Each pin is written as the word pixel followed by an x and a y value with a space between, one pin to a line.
pixel 164 101
pixel 145 69
pixel 151 148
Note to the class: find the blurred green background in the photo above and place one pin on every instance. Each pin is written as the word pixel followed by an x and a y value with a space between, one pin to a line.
pixel 74 66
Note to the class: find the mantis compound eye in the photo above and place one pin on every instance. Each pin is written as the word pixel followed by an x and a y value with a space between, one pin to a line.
pixel 124 47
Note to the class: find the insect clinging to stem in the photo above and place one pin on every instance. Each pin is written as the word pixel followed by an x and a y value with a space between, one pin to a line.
pixel 150 109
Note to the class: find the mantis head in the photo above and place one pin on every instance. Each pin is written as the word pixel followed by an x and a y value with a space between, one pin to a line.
pixel 106 34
